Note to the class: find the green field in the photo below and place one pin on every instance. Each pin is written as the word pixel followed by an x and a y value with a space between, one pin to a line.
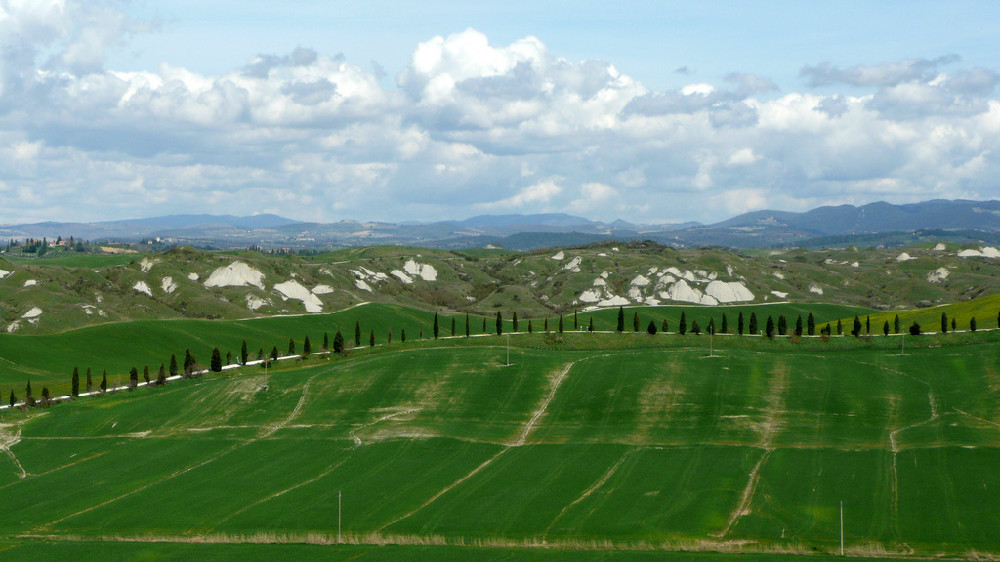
pixel 624 445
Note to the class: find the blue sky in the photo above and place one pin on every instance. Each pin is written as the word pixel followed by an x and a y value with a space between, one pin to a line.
pixel 647 111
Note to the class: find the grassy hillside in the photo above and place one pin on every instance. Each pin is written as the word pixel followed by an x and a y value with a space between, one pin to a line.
pixel 49 295
pixel 601 441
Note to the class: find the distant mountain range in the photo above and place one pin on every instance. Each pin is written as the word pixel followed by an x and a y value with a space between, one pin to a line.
pixel 872 224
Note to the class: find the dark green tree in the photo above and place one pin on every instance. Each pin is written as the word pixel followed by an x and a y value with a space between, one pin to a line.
pixel 388 338
pixel 915 329
pixel 530 329
pixel 173 365
pixel 769 327
pixel 371 339
pixel 546 328
pixel 782 325
pixel 711 326
pixel 798 326
pixel 695 328
pixel 621 320
pixel 189 363
pixel 145 374
pixel 338 342
pixel 513 322
pixel 811 325
pixel 45 396
pixel 260 354
pixel 972 324
pixel 229 358
pixel 244 354
pixel 665 326
pixel 895 325
pixel 326 342
pixel 635 321
pixel 590 326
pixel 133 377
pixel 104 381
pixel 856 331
pixel 499 323
pixel 274 353
pixel 13 398
pixel 452 325
pixel 75 383
pixel 560 323
pixel 90 380
pixel 739 323
pixel 840 327
pixel 161 375
pixel 467 333
pixel 576 325
pixel 724 329
pixel 651 329
pixel 291 346
pixel 435 325
pixel 753 324
pixel 682 326
pixel 216 364
pixel 868 324
pixel 885 328
pixel 307 347
pixel 402 335
pixel 484 325
pixel 944 323
pixel 357 333
pixel 953 324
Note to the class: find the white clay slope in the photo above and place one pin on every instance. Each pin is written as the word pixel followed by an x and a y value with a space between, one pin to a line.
pixel 236 274
pixel 295 291
pixel 424 271
pixel 142 287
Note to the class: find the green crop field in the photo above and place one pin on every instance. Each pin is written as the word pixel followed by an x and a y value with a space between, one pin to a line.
pixel 627 446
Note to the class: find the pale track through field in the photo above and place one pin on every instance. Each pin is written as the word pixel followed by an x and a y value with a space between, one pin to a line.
pixel 593 488
pixel 268 431
pixel 555 383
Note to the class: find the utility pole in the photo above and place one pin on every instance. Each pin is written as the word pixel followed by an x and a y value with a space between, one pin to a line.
pixel 339 512
pixel 841 527
pixel 508 350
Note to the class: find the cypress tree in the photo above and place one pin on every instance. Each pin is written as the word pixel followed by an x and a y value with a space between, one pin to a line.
pixel 326 342
pixel 695 328
pixel 769 327
pixel 452 325
pixel 13 398
pixel 856 331
pixel 998 319
pixel 944 323
pixel 972 324
pixel 635 321
pixel 811 325
pixel 665 327
pixel 546 325
pixel 753 324
pixel 388 339
pixel 244 354
pixel 621 320
pixel 885 328
pixel 173 365
pixel 590 326
pixel 274 353
pixel 188 363
pixel 798 326
pixel 402 335
pixel 576 325
pixel 229 358
pixel 216 365
pixel 895 325
pixel 840 327
pixel 90 380
pixel 357 333
pixel 371 339
pixel 782 325
pixel 45 396
pixel 739 323
pixel 421 336
pixel 513 322
pixel 499 323
pixel 484 325
pixel 338 342
pixel 724 329
pixel 953 326
pixel 260 353
pixel 868 324
pixel 467 333
pixel 435 325
pixel 75 382
pixel 915 329
pixel 560 323
pixel 133 377
pixel 530 329
pixel 161 375
pixel 291 346
pixel 307 347
pixel 682 327
pixel 651 329
pixel 104 381
pixel 711 326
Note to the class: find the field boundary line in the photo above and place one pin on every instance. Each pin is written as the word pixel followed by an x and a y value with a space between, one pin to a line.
pixel 593 488
pixel 554 387
pixel 5 446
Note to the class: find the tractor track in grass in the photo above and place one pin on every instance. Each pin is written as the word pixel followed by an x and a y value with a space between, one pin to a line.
pixel 268 432
pixel 589 491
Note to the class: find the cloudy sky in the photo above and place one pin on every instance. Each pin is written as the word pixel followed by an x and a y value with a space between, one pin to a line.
pixel 647 111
